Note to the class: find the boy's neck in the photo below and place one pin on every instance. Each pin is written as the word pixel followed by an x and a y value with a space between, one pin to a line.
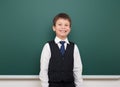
pixel 62 38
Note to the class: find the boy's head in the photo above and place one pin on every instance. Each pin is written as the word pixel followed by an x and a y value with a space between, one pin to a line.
pixel 62 25
pixel 62 16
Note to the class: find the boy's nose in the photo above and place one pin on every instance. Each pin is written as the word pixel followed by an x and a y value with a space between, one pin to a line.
pixel 63 27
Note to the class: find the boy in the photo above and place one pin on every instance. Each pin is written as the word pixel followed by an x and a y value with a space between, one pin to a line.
pixel 60 59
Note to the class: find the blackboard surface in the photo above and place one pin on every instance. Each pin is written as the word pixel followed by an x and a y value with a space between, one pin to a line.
pixel 26 25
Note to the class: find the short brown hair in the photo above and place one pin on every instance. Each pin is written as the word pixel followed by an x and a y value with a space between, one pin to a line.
pixel 61 15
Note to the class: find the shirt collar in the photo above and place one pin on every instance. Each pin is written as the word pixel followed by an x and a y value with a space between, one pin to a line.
pixel 57 40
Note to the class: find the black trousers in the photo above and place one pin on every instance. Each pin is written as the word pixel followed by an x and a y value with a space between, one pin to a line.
pixel 61 84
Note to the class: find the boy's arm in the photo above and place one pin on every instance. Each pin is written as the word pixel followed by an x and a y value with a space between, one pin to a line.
pixel 45 56
pixel 77 70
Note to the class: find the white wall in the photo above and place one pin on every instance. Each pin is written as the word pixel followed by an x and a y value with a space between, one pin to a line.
pixel 93 81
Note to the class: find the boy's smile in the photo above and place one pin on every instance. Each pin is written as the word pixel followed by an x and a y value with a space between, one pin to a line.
pixel 62 28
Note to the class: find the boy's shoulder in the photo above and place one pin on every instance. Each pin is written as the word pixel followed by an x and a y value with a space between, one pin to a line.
pixel 51 41
pixel 71 42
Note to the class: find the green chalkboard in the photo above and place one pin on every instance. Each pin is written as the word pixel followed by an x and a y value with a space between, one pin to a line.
pixel 26 25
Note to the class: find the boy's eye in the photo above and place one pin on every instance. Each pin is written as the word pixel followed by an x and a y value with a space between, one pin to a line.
pixel 59 24
pixel 66 24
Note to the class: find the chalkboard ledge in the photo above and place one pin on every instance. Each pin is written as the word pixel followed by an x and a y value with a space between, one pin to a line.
pixel 36 77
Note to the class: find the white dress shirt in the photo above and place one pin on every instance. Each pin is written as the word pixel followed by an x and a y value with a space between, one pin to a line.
pixel 44 61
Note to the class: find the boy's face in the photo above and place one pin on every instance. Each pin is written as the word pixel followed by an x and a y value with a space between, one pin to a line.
pixel 62 28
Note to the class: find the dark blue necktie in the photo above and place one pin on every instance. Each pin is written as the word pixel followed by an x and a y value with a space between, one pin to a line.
pixel 62 48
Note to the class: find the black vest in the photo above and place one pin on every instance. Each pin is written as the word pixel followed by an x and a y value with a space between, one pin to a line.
pixel 61 67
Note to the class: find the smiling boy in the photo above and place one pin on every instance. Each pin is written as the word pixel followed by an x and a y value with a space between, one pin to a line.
pixel 60 64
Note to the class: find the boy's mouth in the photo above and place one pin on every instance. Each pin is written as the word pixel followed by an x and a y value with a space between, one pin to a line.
pixel 63 31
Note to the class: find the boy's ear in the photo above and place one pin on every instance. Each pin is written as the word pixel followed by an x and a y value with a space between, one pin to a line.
pixel 53 28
